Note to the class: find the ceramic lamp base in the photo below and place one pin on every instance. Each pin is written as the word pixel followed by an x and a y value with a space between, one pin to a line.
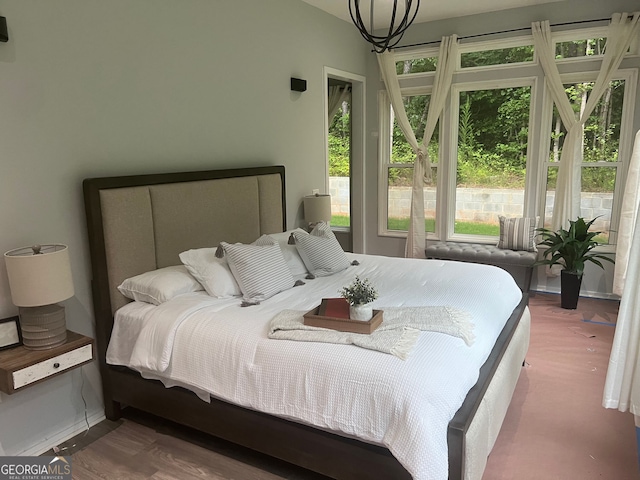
pixel 43 327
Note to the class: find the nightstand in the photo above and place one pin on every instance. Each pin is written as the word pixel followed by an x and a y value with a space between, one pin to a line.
pixel 21 368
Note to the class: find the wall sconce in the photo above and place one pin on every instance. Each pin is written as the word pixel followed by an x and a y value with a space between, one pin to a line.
pixel 317 208
pixel 39 277
pixel 4 32
pixel 298 85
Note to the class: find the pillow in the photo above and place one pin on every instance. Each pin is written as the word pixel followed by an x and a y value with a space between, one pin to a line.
pixel 159 285
pixel 320 251
pixel 518 233
pixel 290 252
pixel 260 270
pixel 213 273
pixel 263 241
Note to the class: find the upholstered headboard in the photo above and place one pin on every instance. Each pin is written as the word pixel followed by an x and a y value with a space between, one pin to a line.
pixel 139 223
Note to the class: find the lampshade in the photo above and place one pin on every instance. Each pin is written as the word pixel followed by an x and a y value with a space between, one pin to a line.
pixel 317 208
pixel 37 279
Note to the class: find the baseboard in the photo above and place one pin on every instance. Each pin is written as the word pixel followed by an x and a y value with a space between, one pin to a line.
pixel 587 294
pixel 51 441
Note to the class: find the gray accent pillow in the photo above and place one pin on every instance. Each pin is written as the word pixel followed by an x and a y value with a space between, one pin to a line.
pixel 260 270
pixel 320 251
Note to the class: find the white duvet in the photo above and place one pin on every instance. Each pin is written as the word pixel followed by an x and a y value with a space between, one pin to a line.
pixel 217 348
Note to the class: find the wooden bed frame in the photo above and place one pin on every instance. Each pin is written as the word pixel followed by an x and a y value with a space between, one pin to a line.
pixel 323 452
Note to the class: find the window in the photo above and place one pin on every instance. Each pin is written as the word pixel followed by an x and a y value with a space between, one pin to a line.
pixel 580 48
pixel 491 53
pixel 416 65
pixel 580 44
pixel 601 165
pixel 399 170
pixel 491 161
pixel 500 139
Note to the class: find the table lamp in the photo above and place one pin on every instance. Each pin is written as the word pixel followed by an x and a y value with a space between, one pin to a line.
pixel 39 277
pixel 317 208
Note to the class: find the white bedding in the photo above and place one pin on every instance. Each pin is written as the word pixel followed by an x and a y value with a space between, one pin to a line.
pixel 222 349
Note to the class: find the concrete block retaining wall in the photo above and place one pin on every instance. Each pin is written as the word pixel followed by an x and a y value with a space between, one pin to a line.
pixel 473 204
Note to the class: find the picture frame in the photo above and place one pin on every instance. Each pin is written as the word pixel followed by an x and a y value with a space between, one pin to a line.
pixel 10 332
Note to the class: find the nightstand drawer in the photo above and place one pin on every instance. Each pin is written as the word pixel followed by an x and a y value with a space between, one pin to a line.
pixel 51 366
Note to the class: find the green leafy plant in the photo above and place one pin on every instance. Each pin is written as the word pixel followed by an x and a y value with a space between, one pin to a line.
pixel 571 248
pixel 360 292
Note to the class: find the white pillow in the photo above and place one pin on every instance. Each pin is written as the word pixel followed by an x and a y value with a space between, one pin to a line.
pixel 159 285
pixel 290 252
pixel 320 251
pixel 260 270
pixel 213 273
pixel 518 233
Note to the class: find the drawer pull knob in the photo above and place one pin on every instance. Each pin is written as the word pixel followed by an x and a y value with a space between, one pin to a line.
pixel 56 365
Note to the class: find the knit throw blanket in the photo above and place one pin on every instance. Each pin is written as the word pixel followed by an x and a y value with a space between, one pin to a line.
pixel 397 335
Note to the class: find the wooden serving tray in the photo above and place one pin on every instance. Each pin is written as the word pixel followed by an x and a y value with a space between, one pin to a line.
pixel 314 319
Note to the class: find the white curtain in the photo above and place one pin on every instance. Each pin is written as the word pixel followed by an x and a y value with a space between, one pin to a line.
pixel 422 165
pixel 628 215
pixel 337 95
pixel 622 30
pixel 622 386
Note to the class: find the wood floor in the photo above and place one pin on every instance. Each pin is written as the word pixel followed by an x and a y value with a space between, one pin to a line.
pixel 142 447
pixel 555 427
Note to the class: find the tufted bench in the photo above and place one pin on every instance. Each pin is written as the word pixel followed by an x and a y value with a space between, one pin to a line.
pixel 516 262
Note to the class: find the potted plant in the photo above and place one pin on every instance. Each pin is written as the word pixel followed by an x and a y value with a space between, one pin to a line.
pixel 359 295
pixel 571 249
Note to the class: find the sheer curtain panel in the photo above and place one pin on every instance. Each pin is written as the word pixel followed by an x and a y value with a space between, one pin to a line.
pixel 422 164
pixel 622 29
pixel 337 95
pixel 628 215
pixel 622 385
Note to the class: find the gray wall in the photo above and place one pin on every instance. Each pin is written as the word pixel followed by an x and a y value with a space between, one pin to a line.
pixel 596 282
pixel 92 88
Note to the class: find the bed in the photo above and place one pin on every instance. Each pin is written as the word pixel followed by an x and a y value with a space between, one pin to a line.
pixel 139 224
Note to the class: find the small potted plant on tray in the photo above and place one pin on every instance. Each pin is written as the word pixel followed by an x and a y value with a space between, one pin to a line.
pixel 360 294
pixel 571 249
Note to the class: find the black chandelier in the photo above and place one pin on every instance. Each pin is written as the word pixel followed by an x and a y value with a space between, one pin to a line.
pixel 397 23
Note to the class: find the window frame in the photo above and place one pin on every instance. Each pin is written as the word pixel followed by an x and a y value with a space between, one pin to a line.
pixel 384 149
pixel 577 35
pixel 452 163
pixel 499 44
pixel 415 54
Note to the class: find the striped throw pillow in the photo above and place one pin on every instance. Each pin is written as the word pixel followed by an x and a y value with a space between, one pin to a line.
pixel 320 251
pixel 518 233
pixel 260 270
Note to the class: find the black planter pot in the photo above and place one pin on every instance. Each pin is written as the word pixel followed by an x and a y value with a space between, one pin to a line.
pixel 569 289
